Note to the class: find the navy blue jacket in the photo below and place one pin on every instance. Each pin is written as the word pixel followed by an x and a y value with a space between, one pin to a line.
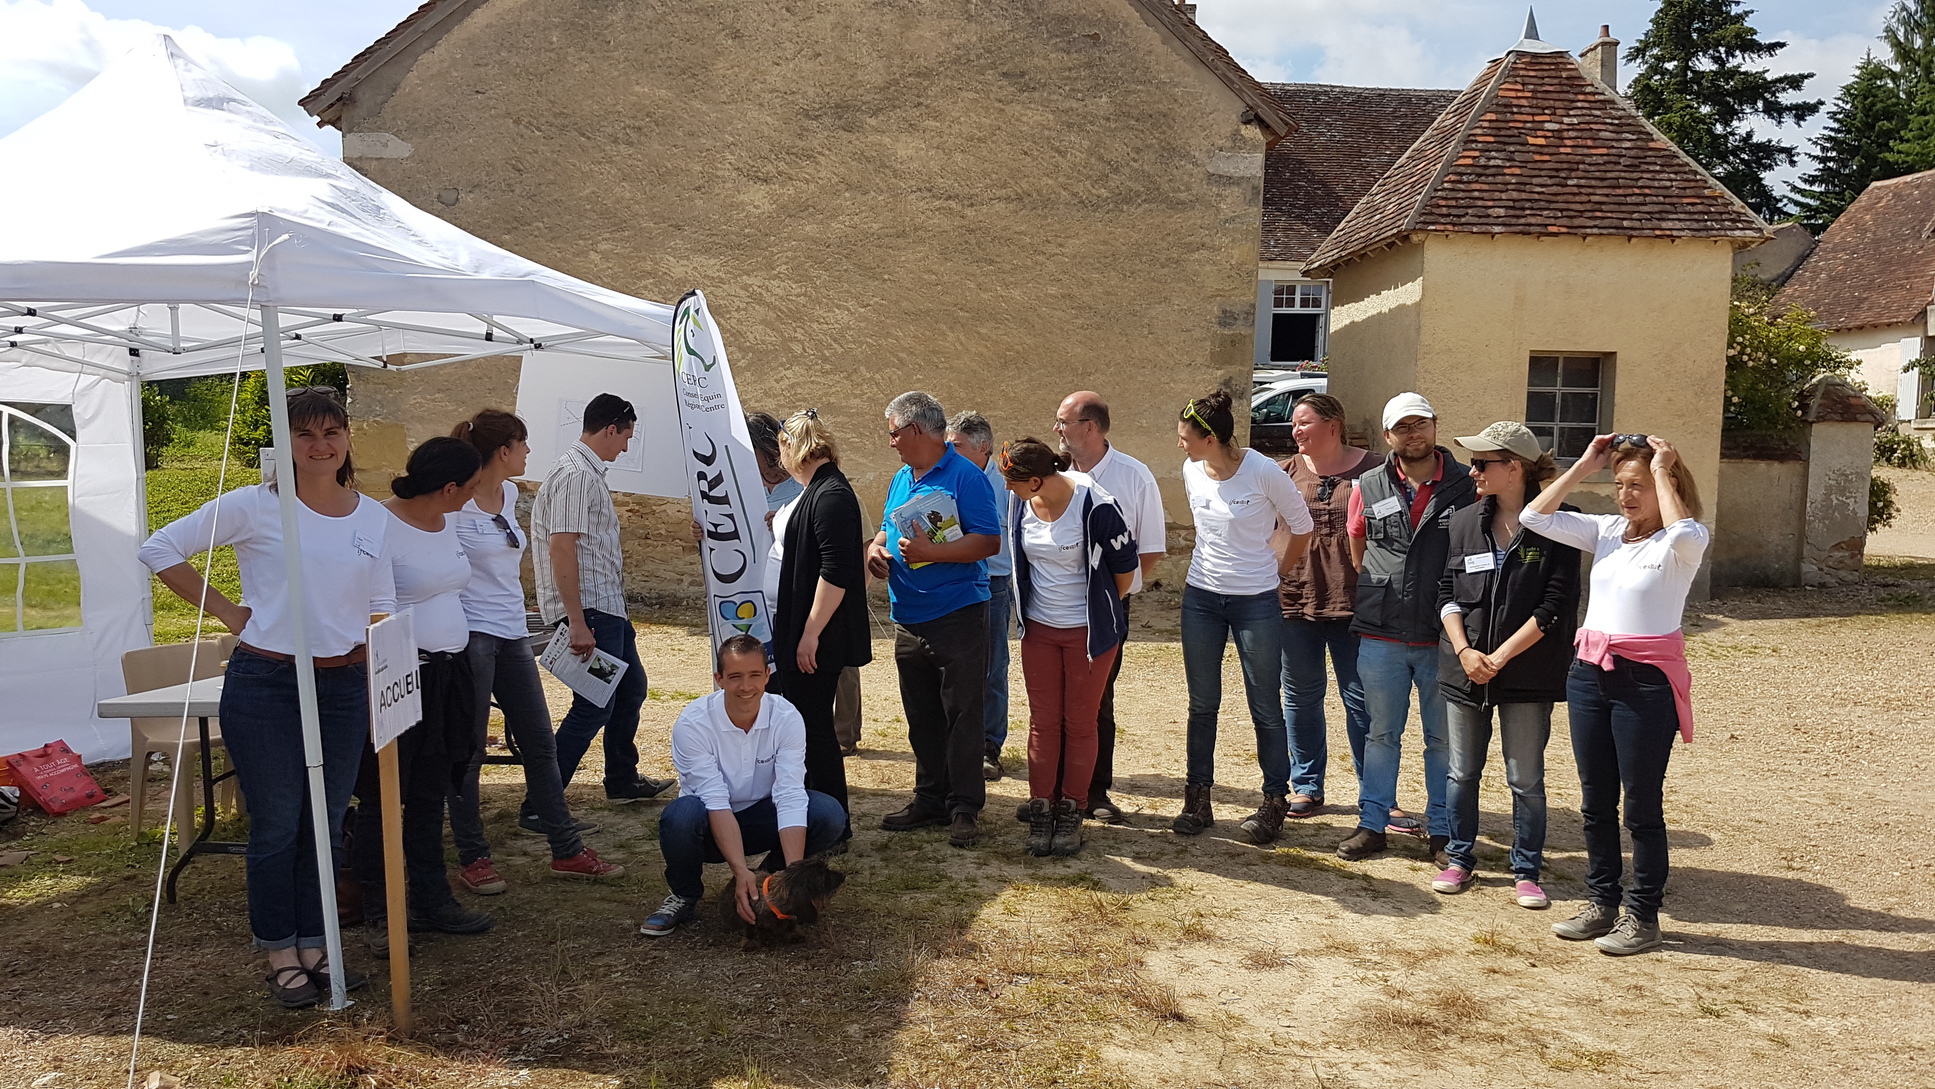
pixel 1111 551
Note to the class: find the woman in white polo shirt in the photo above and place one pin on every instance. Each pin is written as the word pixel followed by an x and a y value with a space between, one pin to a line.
pixel 347 575
pixel 1236 498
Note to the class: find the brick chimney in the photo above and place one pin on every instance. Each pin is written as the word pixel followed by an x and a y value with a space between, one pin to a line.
pixel 1601 59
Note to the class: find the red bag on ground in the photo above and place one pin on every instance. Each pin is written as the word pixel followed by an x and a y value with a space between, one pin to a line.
pixel 54 778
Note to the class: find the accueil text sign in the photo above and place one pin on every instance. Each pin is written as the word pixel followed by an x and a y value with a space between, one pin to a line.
pixel 396 683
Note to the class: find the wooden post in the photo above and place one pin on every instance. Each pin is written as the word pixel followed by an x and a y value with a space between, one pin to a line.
pixel 395 892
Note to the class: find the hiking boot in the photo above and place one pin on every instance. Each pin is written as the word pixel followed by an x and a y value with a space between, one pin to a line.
pixel 481 878
pixel 1022 813
pixel 376 934
pixel 1439 856
pixel 451 918
pixel 1630 935
pixel 1068 827
pixel 964 830
pixel 1264 825
pixel 991 763
pixel 1592 921
pixel 1196 817
pixel 1530 896
pixel 917 814
pixel 639 789
pixel 1362 844
pixel 1103 808
pixel 585 864
pixel 1452 881
pixel 675 910
pixel 1041 826
pixel 531 826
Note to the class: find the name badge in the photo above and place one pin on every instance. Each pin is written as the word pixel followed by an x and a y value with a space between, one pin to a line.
pixel 365 545
pixel 1479 562
pixel 1386 507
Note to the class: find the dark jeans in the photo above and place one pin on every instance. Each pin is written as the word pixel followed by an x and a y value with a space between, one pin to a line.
pixel 619 718
pixel 943 666
pixel 1304 687
pixel 262 727
pixel 426 773
pixel 505 668
pixel 685 835
pixel 1209 620
pixel 1623 724
pixel 1001 608
pixel 1523 730
pixel 813 695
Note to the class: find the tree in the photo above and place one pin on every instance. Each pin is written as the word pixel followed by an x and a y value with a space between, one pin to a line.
pixel 1858 147
pixel 1910 36
pixel 1773 354
pixel 1696 84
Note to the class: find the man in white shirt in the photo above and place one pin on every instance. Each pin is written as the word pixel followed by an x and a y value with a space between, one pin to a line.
pixel 1082 421
pixel 741 755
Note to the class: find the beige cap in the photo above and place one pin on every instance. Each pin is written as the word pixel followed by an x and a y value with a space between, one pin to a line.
pixel 1507 435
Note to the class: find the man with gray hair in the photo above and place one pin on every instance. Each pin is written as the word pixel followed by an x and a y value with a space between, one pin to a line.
pixel 939 592
pixel 973 439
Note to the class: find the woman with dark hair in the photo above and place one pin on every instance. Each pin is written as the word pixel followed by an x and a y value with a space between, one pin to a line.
pixel 501 664
pixel 347 576
pixel 819 598
pixel 1074 562
pixel 1509 602
pixel 1319 598
pixel 1630 690
pixel 431 573
pixel 1237 498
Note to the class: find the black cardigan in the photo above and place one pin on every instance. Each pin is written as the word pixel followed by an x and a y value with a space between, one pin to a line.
pixel 1540 580
pixel 824 539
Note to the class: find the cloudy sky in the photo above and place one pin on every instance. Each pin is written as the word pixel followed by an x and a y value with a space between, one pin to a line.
pixel 274 50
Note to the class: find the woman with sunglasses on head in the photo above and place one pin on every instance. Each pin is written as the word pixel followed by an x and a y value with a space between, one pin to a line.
pixel 1075 560
pixel 818 590
pixel 1319 600
pixel 1509 602
pixel 1237 498
pixel 502 665
pixel 347 576
pixel 1629 691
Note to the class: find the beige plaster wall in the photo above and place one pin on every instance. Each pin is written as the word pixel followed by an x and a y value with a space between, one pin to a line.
pixel 1761 523
pixel 1376 315
pixel 999 201
pixel 1878 349
pixel 1840 461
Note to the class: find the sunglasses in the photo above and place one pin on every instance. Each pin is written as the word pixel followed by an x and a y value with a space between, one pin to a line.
pixel 1190 413
pixel 510 534
pixel 1482 464
pixel 330 392
pixel 1620 442
pixel 1326 487
pixel 1006 460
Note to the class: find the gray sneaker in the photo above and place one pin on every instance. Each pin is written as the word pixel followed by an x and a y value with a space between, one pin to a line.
pixel 675 910
pixel 1630 935
pixel 1592 921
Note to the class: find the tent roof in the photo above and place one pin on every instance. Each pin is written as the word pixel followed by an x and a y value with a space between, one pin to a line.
pixel 157 204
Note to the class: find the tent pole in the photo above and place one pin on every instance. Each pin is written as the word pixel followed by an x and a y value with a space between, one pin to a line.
pixel 136 413
pixel 312 754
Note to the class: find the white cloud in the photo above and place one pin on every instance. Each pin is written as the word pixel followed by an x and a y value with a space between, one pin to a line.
pixel 54 47
pixel 1367 42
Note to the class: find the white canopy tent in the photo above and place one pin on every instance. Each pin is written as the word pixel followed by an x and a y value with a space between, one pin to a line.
pixel 162 225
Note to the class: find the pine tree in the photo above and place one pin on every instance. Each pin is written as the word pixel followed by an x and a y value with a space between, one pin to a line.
pixel 1910 36
pixel 1858 146
pixel 1696 84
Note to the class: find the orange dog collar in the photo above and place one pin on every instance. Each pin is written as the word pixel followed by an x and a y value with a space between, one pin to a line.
pixel 766 891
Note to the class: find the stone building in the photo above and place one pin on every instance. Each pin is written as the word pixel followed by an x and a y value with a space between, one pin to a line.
pixel 999 201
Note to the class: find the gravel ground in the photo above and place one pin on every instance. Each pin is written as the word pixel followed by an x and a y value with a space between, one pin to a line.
pixel 1913 533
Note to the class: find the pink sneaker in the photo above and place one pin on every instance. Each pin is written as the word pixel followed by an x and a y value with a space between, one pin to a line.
pixel 1531 896
pixel 1454 880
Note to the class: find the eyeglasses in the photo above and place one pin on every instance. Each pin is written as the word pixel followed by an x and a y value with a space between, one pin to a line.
pixel 894 432
pixel 1326 486
pixel 1415 428
pixel 1620 442
pixel 509 533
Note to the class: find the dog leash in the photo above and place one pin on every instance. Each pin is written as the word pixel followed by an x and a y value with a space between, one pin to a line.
pixel 766 891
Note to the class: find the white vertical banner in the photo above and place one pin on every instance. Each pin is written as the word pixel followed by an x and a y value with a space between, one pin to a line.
pixel 722 477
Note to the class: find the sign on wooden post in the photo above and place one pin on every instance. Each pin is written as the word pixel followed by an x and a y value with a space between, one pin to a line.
pixel 396 704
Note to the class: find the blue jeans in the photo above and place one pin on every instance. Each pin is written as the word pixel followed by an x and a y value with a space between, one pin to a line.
pixel 685 835
pixel 1001 607
pixel 506 668
pixel 1390 671
pixel 1209 619
pixel 1523 730
pixel 619 718
pixel 1623 724
pixel 262 727
pixel 1304 686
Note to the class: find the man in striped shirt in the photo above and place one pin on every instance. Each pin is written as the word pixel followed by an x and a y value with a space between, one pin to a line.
pixel 580 582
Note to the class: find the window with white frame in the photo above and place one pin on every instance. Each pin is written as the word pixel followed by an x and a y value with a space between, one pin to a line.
pixel 1566 399
pixel 40 576
pixel 1298 325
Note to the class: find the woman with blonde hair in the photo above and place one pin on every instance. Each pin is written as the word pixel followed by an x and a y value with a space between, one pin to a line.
pixel 818 590
pixel 1629 691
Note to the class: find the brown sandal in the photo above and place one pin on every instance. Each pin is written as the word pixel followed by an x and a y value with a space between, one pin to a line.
pixel 298 993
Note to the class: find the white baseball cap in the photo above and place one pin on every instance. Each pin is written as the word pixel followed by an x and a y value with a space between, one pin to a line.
pixel 1406 404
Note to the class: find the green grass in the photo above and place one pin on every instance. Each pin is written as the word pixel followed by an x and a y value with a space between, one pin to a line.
pixel 190 473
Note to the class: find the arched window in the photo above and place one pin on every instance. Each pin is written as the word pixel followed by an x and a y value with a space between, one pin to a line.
pixel 40 578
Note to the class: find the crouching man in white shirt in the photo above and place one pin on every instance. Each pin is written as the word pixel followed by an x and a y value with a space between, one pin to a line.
pixel 741 759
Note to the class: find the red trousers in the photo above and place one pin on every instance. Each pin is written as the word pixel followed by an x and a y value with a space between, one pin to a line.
pixel 1064 697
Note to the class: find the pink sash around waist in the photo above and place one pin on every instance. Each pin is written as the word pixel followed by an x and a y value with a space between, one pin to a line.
pixel 1666 652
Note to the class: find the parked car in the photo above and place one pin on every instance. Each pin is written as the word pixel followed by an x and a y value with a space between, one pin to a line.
pixel 1270 409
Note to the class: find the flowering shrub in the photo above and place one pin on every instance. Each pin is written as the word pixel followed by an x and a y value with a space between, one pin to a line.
pixel 1772 355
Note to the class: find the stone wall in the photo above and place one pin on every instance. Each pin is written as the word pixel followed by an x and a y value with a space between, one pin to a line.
pixel 1759 523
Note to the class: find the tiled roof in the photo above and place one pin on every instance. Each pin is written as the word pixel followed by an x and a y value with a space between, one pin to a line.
pixel 1876 264
pixel 1534 146
pixel 1347 137
pixel 322 102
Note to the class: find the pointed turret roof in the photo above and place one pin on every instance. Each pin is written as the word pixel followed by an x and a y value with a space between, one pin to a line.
pixel 1535 146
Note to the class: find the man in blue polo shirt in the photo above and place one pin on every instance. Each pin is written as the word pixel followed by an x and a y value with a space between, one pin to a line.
pixel 940 611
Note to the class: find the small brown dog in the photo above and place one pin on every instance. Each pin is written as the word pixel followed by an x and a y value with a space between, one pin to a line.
pixel 787 900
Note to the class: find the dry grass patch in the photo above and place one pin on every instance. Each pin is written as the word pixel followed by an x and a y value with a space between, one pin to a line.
pixel 1267 958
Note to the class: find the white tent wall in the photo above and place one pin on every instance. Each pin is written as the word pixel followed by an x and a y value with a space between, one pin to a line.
pixel 51 679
